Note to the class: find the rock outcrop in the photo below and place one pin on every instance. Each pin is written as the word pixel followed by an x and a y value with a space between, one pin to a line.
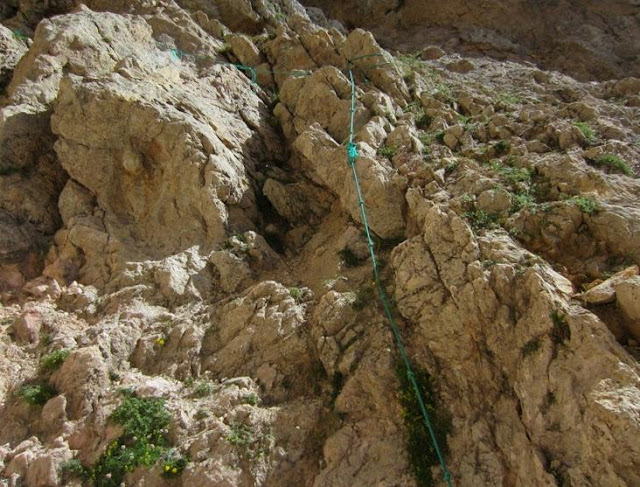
pixel 186 295
pixel 587 40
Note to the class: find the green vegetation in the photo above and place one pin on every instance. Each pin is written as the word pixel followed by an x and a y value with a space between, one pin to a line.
pixel 613 162
pixel 203 389
pixel 449 168
pixel 388 151
pixel 295 293
pixel 8 171
pixel 479 219
pixel 52 361
pixel 174 466
pixel 561 331
pixel 501 147
pixel 422 454
pixel 421 119
pixel 586 131
pixel 142 443
pixel 364 297
pixel 522 200
pixel 251 399
pixel 73 469
pixel 586 204
pixel 225 48
pixel 240 435
pixel 37 394
pixel 349 258
pixel 511 174
pixel 508 99
pixel 530 347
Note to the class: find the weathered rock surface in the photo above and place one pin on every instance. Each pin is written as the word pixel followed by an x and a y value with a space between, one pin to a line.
pixel 171 230
pixel 563 36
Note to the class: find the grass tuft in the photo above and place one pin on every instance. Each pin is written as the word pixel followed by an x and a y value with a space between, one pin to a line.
pixel 613 162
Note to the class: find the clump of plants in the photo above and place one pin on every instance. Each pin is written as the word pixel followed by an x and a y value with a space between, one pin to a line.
pixel 142 443
pixel 531 347
pixel 587 204
pixel 480 219
pixel 614 163
pixel 203 389
pixel 585 129
pixel 561 331
pixel 73 469
pixel 349 258
pixel 247 442
pixel 364 297
pixel 295 293
pixel 53 360
pixel 388 151
pixel 36 394
pixel 174 465
pixel 422 453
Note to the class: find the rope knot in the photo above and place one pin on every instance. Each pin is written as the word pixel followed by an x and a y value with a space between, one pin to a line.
pixel 352 152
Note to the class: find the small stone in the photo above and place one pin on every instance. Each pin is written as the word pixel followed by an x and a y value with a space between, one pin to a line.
pixel 431 53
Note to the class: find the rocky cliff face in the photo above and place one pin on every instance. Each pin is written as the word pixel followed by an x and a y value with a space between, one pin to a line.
pixel 586 39
pixel 186 292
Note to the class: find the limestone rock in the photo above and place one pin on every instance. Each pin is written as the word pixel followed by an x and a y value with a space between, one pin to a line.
pixel 324 160
pixel 605 292
pixel 12 50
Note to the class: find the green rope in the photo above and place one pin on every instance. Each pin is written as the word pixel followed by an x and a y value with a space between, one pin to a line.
pixel 352 155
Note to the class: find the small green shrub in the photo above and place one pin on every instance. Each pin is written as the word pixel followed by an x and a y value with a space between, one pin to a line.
pixel 174 466
pixel 143 442
pixel 73 469
pixel 37 394
pixel 349 258
pixel 240 435
pixel 295 293
pixel 449 168
pixel 501 147
pixel 52 361
pixel 614 162
pixel 508 99
pixel 203 389
pixel 561 331
pixel 587 204
pixel 364 297
pixel 510 174
pixel 586 131
pixel 530 347
pixel 251 399
pixel 479 219
pixel 388 151
pixel 422 454
pixel 522 200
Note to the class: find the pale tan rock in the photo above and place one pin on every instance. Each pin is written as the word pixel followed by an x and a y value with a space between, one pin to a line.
pixel 325 161
pixel 297 202
pixel 628 299
pixel 606 292
pixel 82 379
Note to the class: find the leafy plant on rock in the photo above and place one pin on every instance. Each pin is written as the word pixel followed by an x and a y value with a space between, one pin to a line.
pixel 54 360
pixel 422 453
pixel 142 443
pixel 613 162
pixel 37 394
